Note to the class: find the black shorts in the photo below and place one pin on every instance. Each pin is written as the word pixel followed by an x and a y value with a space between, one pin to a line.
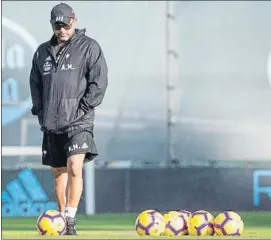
pixel 56 148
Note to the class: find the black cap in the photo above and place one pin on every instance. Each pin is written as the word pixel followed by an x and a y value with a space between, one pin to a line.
pixel 62 13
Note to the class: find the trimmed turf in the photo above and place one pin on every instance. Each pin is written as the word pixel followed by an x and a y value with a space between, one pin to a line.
pixel 104 226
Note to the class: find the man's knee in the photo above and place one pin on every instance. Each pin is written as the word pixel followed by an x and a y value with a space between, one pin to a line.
pixel 75 165
pixel 58 172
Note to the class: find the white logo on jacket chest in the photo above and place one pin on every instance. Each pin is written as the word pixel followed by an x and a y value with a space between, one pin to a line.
pixel 47 66
pixel 67 66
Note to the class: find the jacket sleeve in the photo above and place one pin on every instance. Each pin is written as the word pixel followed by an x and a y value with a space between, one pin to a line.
pixel 97 79
pixel 36 88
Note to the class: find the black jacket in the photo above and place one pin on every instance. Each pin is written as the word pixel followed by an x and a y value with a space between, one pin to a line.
pixel 64 95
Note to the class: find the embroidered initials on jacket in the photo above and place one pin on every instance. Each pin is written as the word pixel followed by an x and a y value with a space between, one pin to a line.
pixel 67 66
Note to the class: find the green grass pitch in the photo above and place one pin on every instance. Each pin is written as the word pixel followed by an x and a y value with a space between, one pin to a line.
pixel 121 226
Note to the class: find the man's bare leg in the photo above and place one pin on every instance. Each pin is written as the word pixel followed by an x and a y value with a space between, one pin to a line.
pixel 61 179
pixel 75 183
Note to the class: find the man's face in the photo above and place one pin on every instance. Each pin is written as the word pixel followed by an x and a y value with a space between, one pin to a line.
pixel 64 31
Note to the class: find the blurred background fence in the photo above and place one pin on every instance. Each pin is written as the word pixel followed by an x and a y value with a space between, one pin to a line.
pixel 189 88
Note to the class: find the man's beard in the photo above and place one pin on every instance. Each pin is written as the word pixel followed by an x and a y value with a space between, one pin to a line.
pixel 61 41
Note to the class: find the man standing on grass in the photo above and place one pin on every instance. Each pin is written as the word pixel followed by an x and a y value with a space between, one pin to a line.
pixel 68 80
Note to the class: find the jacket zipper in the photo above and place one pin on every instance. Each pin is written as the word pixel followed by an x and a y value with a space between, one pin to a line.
pixel 58 68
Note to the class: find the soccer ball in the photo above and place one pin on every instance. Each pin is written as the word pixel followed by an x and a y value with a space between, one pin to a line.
pixel 200 223
pixel 175 224
pixel 228 223
pixel 150 223
pixel 185 215
pixel 51 223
